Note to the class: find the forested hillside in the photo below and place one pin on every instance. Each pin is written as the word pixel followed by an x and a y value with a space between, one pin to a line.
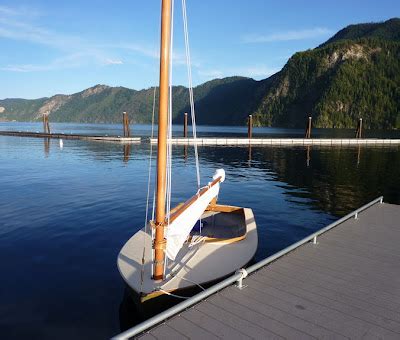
pixel 354 74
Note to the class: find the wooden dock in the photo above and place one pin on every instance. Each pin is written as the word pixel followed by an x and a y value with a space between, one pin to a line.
pixel 346 285
pixel 71 136
pixel 281 141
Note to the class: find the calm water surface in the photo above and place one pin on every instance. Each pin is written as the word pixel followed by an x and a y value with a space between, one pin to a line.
pixel 65 213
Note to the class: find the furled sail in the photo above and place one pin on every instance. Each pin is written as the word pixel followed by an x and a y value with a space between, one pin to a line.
pixel 181 226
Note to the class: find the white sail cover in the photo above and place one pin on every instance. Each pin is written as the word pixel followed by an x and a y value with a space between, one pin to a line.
pixel 180 228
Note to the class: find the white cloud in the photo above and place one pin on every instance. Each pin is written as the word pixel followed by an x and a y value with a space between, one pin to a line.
pixel 287 35
pixel 24 11
pixel 178 57
pixel 69 61
pixel 142 49
pixel 210 74
pixel 17 24
pixel 113 62
pixel 256 71
pixel 253 71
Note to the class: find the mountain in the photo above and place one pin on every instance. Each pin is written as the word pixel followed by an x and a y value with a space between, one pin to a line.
pixel 354 74
pixel 388 30
pixel 220 101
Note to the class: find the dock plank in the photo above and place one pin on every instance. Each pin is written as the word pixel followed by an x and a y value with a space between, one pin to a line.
pixel 281 141
pixel 350 270
pixel 164 332
pixel 339 306
pixel 30 134
pixel 241 318
pixel 325 292
pixel 190 329
pixel 269 311
pixel 345 286
pixel 220 329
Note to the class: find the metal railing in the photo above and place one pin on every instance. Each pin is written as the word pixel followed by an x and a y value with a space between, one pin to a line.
pixel 236 278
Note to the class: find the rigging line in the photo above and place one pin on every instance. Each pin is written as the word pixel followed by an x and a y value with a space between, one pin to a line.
pixel 195 283
pixel 150 159
pixel 180 296
pixel 148 189
pixel 174 295
pixel 169 144
pixel 191 98
pixel 149 176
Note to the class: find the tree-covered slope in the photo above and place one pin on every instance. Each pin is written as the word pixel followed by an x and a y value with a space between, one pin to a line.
pixel 339 82
pixel 387 30
pixel 220 101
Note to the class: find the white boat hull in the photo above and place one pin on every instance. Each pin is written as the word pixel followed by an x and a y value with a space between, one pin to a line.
pixel 202 263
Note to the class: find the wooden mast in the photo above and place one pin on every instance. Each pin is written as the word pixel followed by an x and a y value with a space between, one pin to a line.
pixel 159 241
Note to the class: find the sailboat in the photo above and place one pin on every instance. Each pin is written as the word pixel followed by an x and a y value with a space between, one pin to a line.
pixel 197 242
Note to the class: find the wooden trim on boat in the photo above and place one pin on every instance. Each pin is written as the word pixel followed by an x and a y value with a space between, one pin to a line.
pixel 223 208
pixel 152 295
pixel 191 200
pixel 224 240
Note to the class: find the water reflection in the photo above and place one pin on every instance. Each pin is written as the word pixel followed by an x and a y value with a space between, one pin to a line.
pixel 185 152
pixel 249 157
pixel 308 157
pixel 46 145
pixel 127 152
pixel 331 181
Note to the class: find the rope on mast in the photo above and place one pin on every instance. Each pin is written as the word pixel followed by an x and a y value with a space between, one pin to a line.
pixel 191 98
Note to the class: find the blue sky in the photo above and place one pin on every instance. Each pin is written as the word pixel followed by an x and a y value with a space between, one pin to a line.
pixel 50 47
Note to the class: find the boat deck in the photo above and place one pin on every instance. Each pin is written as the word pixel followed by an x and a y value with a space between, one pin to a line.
pixel 347 285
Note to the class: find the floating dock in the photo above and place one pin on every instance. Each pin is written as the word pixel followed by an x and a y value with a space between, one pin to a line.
pixel 280 141
pixel 340 282
pixel 71 136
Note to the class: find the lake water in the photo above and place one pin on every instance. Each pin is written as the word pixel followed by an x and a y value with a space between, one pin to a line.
pixel 65 213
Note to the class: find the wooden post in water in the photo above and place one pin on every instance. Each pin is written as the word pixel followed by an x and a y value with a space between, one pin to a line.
pixel 185 125
pixel 250 127
pixel 359 129
pixel 46 125
pixel 159 241
pixel 308 128
pixel 125 120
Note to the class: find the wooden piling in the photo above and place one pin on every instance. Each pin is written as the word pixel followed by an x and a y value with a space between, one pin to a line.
pixel 125 120
pixel 185 125
pixel 250 127
pixel 359 129
pixel 46 125
pixel 308 128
